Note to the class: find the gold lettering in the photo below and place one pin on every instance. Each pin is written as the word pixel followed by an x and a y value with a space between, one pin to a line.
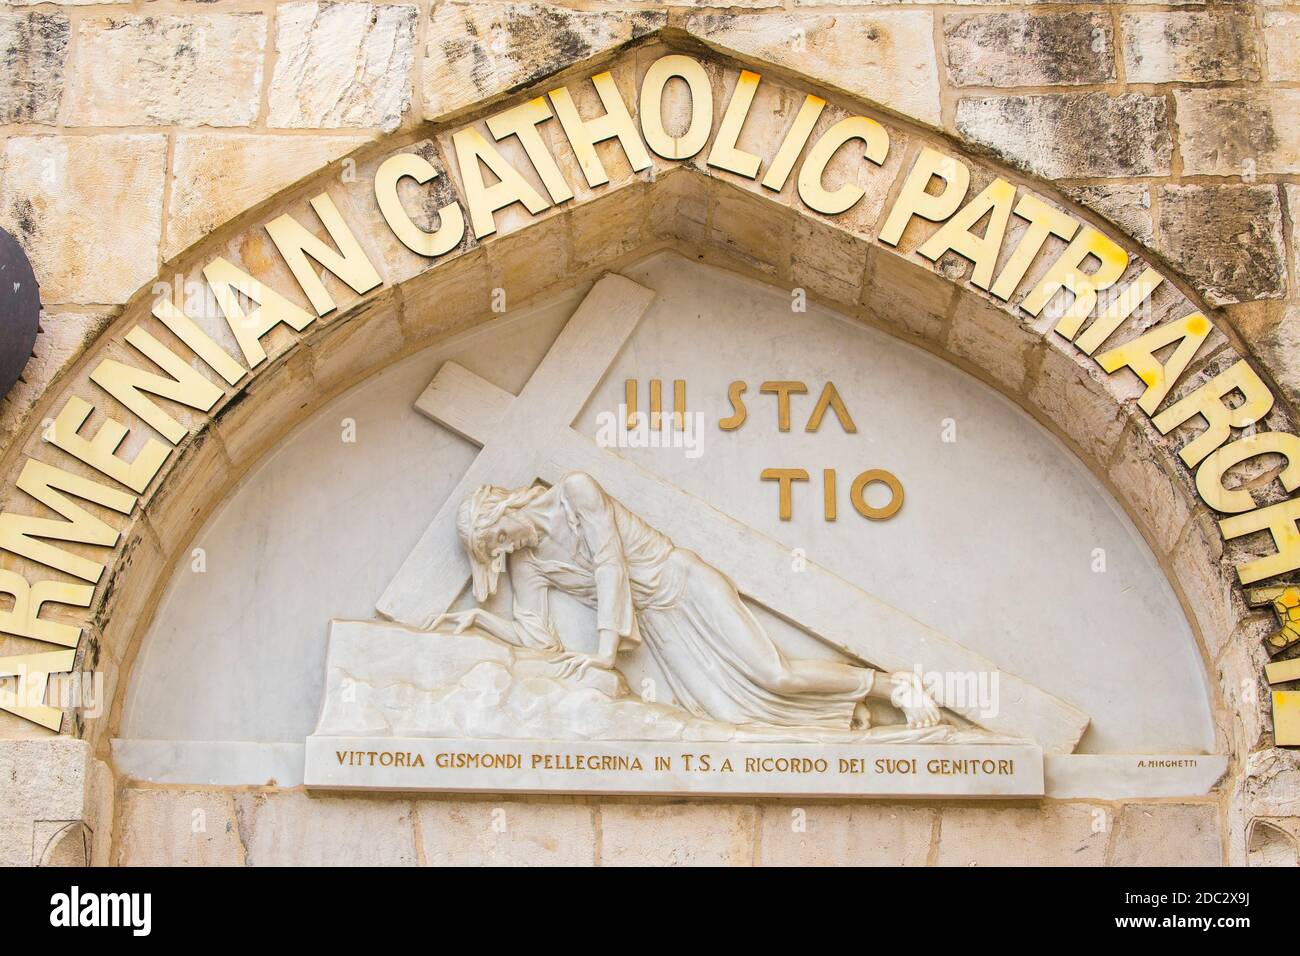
pixel 583 135
pixel 995 202
pixel 451 228
pixel 129 385
pixel 471 149
pixel 783 391
pixel 783 162
pixel 349 263
pixel 915 200
pixel 24 619
pixel 1209 477
pixel 227 283
pixel 786 477
pixel 33 672
pixel 1207 401
pixel 1043 221
pixel 522 121
pixel 724 154
pixel 44 483
pixel 1067 273
pixel 738 411
pixel 1190 332
pixel 652 116
pixel 830 398
pixel 811 189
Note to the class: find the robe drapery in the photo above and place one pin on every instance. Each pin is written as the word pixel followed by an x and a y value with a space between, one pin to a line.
pixel 715 655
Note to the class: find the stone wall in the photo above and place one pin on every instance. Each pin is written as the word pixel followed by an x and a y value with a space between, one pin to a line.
pixel 176 826
pixel 131 130
pixel 134 130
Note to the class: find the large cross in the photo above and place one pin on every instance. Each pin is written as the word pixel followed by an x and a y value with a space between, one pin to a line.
pixel 529 437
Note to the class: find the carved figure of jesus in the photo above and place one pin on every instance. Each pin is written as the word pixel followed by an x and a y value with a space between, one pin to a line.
pixel 714 653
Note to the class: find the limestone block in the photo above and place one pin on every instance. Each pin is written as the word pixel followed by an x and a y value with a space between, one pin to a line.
pixel 1242 683
pixel 170 70
pixel 1282 38
pixel 692 834
pixel 1128 207
pixel 342 65
pixel 1066 135
pixel 827 262
pixel 1208 583
pixel 215 177
pixel 1074 396
pixel 35 49
pixel 479 51
pixel 507 833
pixel 604 230
pixel 291 828
pixel 902 296
pixel 368 338
pixel 1187 47
pixel 1238 132
pixel 63 197
pixel 1020 49
pixel 1273 841
pixel 858 834
pixel 177 503
pixel 1043 835
pixel 1154 484
pixel 1226 238
pixel 1168 835
pixel 266 407
pixel 885 57
pixel 531 260
pixel 58 803
pixel 754 231
pixel 178 828
pixel 992 340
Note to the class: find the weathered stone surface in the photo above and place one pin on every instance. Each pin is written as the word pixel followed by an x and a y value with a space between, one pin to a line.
pixel 1143 478
pixel 1168 835
pixel 65 199
pixel 1023 836
pixel 1060 136
pixel 480 51
pixel 178 828
pixel 1282 40
pixel 1180 47
pixel 187 71
pixel 886 57
pixel 691 834
pixel 63 337
pixel 1020 49
pixel 1293 210
pixel 1227 239
pixel 991 340
pixel 1273 841
pixel 1129 207
pixel 342 65
pixel 1238 132
pixel 507 833
pixel 216 177
pixel 35 47
pixel 860 834
pixel 291 828
pixel 53 785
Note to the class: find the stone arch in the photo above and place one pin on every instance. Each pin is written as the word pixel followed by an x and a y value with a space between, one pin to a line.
pixel 722 218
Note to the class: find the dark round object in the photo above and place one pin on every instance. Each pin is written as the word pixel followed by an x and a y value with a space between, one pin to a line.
pixel 20 311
